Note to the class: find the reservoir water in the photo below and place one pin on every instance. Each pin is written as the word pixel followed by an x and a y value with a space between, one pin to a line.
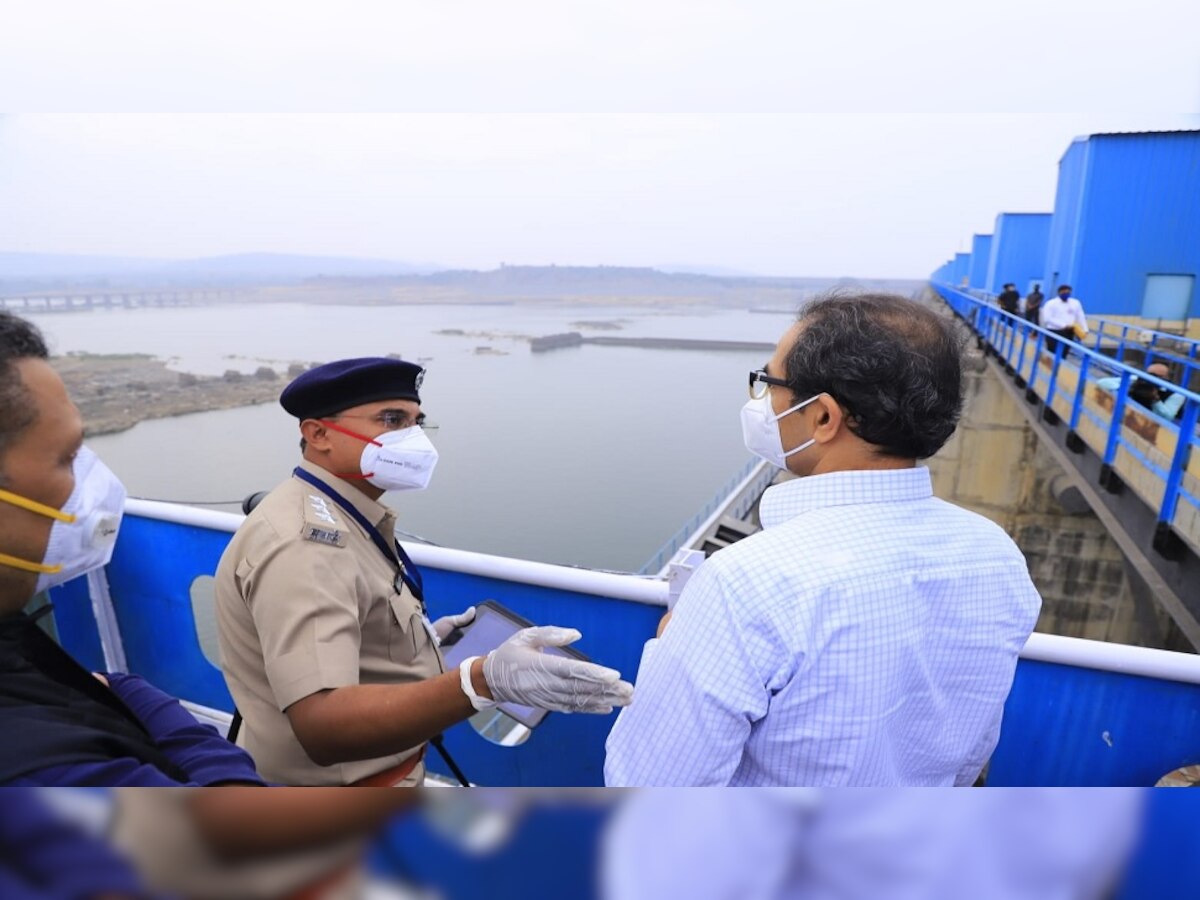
pixel 590 456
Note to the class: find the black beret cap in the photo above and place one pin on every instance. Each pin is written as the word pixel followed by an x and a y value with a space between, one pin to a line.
pixel 337 386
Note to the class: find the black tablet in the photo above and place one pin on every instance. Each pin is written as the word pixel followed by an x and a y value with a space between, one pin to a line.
pixel 493 625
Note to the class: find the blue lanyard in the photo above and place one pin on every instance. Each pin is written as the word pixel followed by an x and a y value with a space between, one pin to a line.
pixel 408 572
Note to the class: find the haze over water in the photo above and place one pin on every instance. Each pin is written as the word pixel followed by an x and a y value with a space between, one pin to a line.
pixel 589 456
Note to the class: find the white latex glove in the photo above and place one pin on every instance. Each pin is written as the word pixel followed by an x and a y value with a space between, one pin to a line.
pixel 446 624
pixel 519 672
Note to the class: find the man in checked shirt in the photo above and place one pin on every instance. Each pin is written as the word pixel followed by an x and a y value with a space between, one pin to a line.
pixel 869 634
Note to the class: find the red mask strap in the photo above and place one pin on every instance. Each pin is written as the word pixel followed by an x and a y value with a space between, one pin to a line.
pixel 353 434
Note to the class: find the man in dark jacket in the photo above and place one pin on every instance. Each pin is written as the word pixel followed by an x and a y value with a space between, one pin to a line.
pixel 1033 305
pixel 60 508
pixel 1009 299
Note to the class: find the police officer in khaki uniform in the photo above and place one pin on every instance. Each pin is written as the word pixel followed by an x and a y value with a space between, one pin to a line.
pixel 325 643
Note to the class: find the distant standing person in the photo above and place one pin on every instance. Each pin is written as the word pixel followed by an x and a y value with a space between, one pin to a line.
pixel 1063 316
pixel 1009 299
pixel 1033 305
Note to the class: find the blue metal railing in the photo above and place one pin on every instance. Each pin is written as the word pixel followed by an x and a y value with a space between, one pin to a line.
pixel 1156 346
pixel 1009 336
pixel 743 503
pixel 1066 695
pixel 1120 337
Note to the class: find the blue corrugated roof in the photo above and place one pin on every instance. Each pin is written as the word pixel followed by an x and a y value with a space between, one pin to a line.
pixel 1018 250
pixel 1110 134
pixel 1127 210
pixel 1135 133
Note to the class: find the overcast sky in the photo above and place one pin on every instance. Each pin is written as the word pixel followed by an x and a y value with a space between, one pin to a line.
pixel 847 138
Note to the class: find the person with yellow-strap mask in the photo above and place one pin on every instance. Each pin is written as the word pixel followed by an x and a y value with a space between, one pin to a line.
pixel 83 532
pixel 60 511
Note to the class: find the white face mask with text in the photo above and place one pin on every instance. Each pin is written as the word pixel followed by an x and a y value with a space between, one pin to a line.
pixel 401 460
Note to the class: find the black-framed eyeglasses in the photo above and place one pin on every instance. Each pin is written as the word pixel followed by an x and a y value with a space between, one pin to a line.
pixel 391 419
pixel 761 382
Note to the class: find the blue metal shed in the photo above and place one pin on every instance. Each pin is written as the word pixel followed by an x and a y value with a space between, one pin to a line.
pixel 1018 251
pixel 961 268
pixel 981 251
pixel 1126 227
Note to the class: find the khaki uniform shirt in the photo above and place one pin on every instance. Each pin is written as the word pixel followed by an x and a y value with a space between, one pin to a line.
pixel 307 602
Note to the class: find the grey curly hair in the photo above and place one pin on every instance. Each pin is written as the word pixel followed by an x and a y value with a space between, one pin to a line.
pixel 893 364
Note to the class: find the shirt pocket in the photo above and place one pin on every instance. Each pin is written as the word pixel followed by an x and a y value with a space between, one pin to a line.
pixel 407 637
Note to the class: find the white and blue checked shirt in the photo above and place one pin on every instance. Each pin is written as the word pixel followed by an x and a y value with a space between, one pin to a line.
pixel 867 636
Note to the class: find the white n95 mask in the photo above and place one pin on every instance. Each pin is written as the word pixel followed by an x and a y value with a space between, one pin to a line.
pixel 760 430
pixel 84 530
pixel 401 460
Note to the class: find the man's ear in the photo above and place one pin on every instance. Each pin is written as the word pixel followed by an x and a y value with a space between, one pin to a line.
pixel 315 433
pixel 829 418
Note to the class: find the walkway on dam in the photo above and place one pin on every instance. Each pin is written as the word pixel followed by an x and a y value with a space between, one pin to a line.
pixel 1138 471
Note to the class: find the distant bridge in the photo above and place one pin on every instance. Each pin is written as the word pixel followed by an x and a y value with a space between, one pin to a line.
pixel 86 301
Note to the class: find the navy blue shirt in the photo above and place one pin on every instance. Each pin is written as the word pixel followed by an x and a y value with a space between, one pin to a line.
pixel 43 857
pixel 198 750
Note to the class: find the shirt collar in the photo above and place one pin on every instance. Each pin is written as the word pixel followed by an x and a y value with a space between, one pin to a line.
pixel 375 511
pixel 792 498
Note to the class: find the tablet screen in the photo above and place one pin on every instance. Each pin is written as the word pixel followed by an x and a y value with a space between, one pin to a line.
pixel 494 625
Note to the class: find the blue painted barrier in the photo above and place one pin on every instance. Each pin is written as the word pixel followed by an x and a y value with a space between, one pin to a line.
pixel 998 330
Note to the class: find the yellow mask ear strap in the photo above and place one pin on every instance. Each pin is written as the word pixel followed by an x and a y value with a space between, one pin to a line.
pixel 35 507
pixel 17 563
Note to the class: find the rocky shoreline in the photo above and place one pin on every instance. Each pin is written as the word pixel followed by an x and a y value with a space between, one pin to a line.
pixel 116 391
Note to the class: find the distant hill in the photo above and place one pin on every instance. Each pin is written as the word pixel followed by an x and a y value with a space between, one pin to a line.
pixel 336 279
pixel 46 266
pixel 25 271
pixel 714 271
pixel 570 280
pixel 603 284
pixel 282 267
